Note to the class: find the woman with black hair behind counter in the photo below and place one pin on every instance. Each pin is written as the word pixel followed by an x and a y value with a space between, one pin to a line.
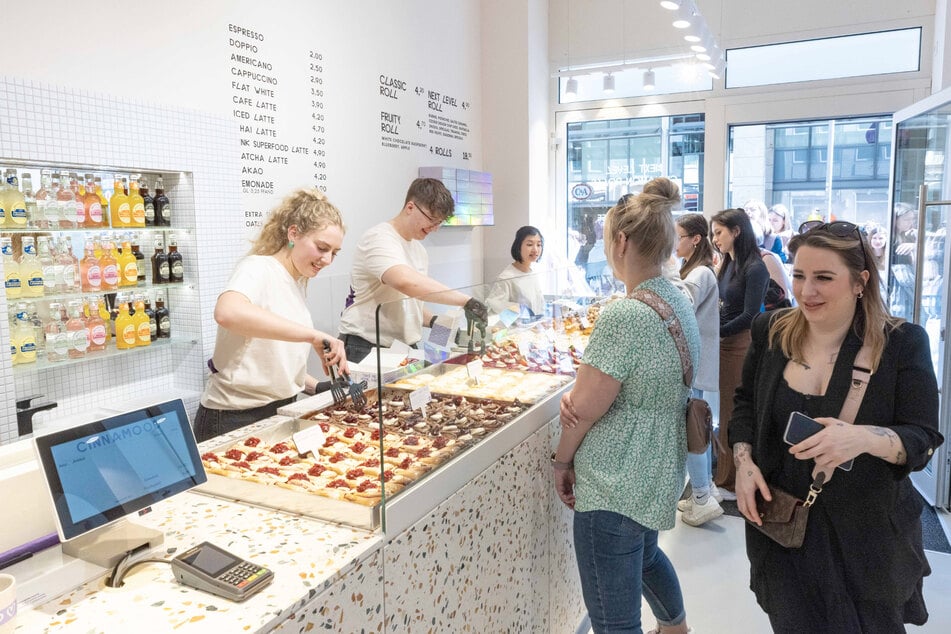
pixel 516 284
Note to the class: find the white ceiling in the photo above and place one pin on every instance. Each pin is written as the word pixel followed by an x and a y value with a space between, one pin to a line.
pixel 607 30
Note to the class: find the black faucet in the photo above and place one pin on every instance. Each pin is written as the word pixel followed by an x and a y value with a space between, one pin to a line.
pixel 26 408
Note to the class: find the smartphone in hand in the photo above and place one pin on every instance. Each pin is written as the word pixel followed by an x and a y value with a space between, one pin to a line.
pixel 801 427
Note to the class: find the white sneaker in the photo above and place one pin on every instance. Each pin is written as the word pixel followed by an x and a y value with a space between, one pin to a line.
pixel 728 496
pixel 656 630
pixel 715 492
pixel 685 504
pixel 699 514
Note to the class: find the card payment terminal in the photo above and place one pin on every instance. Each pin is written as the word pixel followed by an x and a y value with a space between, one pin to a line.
pixel 212 569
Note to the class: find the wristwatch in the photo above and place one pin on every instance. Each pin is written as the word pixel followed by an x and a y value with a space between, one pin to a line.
pixel 555 464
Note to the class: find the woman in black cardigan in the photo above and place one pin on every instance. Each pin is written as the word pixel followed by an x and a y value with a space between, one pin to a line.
pixel 861 566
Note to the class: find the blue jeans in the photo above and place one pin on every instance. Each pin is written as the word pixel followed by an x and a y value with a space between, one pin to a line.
pixel 618 560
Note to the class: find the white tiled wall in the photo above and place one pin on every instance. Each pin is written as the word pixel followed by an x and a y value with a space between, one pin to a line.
pixel 51 124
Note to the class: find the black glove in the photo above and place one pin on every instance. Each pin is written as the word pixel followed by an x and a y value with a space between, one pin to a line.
pixel 476 310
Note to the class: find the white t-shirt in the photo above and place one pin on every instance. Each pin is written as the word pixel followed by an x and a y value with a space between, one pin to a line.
pixel 251 371
pixel 701 284
pixel 380 249
pixel 518 287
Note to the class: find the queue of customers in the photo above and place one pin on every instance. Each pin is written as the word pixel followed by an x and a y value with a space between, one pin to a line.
pixel 621 461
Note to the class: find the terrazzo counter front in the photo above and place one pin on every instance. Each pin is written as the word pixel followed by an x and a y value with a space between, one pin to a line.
pixel 307 556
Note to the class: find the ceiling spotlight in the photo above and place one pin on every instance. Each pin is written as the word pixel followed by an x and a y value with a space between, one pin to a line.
pixel 571 87
pixel 681 24
pixel 698 48
pixel 692 38
pixel 670 5
pixel 608 83
pixel 703 57
pixel 649 80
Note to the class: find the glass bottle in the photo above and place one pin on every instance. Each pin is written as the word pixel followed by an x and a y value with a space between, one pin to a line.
pixel 29 200
pixel 147 201
pixel 121 213
pixel 39 334
pixel 136 203
pixel 162 318
pixel 13 201
pixel 139 259
pixel 90 273
pixel 153 324
pixel 176 265
pixel 143 334
pixel 76 331
pixel 125 327
pixel 163 210
pixel 24 335
pixel 65 203
pixel 98 333
pixel 4 216
pixel 11 269
pixel 109 266
pixel 44 198
pixel 128 266
pixel 92 204
pixel 68 281
pixel 57 341
pixel 47 264
pixel 31 271
pixel 160 270
pixel 79 204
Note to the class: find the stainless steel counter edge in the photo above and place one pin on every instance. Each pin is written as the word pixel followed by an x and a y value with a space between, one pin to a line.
pixel 413 504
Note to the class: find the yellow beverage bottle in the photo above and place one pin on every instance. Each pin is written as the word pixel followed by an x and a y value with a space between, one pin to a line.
pixel 143 330
pixel 128 266
pixel 126 336
pixel 119 210
pixel 136 203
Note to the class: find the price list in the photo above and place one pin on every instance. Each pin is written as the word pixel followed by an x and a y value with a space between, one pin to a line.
pixel 318 118
pixel 429 119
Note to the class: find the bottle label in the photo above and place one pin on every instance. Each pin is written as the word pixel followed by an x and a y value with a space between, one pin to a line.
pixel 128 335
pixel 163 271
pixel 8 250
pixel 98 335
pixel 13 348
pixel 131 273
pixel 124 214
pixel 13 283
pixel 110 275
pixel 95 213
pixel 94 277
pixel 18 215
pixel 35 282
pixel 69 276
pixel 149 213
pixel 165 326
pixel 145 334
pixel 28 347
pixel 167 214
pixel 29 249
pixel 153 328
pixel 138 214
pixel 79 340
pixel 178 270
pixel 60 343
pixel 80 213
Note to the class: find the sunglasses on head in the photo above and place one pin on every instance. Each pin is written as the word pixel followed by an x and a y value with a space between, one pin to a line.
pixel 839 228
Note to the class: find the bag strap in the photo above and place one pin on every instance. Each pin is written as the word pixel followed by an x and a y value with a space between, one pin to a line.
pixel 861 374
pixel 669 317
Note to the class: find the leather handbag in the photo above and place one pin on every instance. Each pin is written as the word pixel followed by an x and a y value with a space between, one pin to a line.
pixel 785 516
pixel 699 425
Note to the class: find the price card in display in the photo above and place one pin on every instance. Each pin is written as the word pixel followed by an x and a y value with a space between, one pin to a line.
pixel 474 370
pixel 524 346
pixel 510 315
pixel 550 335
pixel 584 322
pixel 565 366
pixel 309 440
pixel 419 398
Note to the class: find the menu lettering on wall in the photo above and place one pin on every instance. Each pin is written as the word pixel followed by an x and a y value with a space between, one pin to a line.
pixel 318 119
pixel 427 113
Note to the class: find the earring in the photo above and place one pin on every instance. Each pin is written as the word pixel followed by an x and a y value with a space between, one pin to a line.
pixel 290 244
pixel 859 296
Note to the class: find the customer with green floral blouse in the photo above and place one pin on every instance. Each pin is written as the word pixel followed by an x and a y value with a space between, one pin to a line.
pixel 620 460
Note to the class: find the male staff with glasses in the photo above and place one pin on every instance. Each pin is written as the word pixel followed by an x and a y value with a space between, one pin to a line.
pixel 391 265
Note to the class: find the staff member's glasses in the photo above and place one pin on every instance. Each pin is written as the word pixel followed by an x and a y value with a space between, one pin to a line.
pixel 839 228
pixel 434 222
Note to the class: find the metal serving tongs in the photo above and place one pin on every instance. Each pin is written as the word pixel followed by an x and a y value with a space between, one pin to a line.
pixel 337 384
pixel 336 388
pixel 470 330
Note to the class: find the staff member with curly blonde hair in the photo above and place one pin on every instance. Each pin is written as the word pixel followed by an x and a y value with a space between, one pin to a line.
pixel 265 331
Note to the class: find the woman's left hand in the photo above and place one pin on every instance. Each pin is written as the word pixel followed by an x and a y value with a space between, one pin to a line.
pixel 839 442
pixel 569 417
pixel 564 481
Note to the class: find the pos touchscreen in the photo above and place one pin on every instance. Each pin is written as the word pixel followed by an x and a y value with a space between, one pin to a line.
pixel 102 471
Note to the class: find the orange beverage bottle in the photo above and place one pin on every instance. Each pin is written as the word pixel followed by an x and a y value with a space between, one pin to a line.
pixel 143 330
pixel 90 273
pixel 92 205
pixel 136 203
pixel 119 209
pixel 126 336
pixel 128 266
pixel 98 334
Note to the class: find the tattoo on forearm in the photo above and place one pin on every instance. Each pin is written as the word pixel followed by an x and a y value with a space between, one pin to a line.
pixel 900 458
pixel 741 451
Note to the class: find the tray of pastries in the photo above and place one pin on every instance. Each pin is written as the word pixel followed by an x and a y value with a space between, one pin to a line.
pixel 341 481
pixel 493 383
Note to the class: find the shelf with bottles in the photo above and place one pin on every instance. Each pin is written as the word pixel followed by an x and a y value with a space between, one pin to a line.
pixel 76 198
pixel 50 334
pixel 110 353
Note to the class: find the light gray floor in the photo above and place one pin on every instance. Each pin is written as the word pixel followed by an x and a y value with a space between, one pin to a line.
pixel 714 573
